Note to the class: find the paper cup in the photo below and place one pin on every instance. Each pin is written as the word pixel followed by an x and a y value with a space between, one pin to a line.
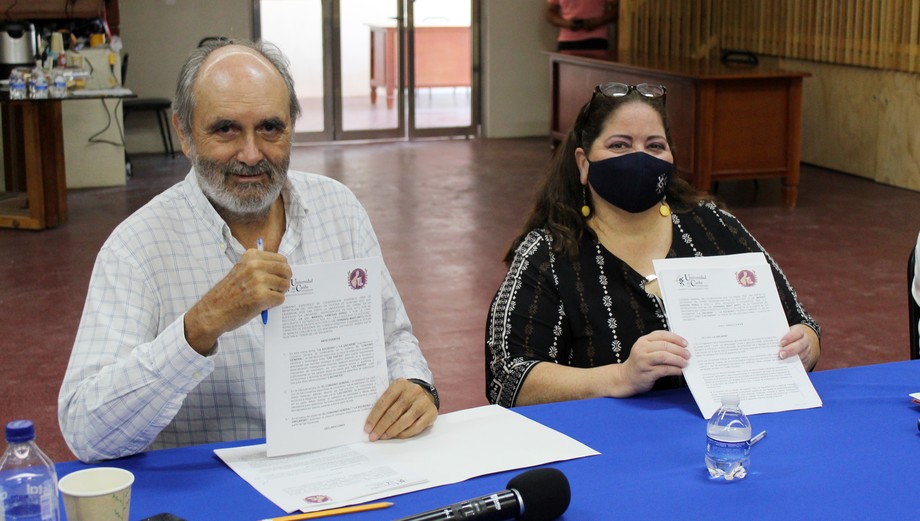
pixel 57 42
pixel 97 494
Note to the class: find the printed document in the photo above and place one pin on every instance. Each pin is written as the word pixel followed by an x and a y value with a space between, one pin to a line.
pixel 325 360
pixel 459 446
pixel 728 309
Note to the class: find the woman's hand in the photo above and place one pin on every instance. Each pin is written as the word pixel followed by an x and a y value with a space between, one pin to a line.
pixel 653 356
pixel 803 341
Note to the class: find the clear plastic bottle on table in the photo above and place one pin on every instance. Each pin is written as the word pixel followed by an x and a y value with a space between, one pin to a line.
pixel 28 480
pixel 728 441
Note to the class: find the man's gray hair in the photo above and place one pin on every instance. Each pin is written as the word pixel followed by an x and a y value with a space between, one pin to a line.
pixel 184 103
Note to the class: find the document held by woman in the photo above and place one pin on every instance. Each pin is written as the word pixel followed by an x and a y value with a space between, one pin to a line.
pixel 728 309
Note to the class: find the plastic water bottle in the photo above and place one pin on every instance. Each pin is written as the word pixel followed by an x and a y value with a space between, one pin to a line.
pixel 728 441
pixel 18 88
pixel 58 83
pixel 39 81
pixel 28 481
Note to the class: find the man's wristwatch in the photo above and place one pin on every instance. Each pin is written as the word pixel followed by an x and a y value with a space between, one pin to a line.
pixel 431 390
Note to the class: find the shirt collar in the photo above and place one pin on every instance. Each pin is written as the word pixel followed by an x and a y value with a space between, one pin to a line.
pixel 294 213
pixel 202 206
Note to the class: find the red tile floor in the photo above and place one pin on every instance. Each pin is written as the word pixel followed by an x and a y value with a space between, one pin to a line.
pixel 445 212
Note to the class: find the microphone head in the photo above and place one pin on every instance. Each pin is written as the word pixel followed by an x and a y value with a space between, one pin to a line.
pixel 544 492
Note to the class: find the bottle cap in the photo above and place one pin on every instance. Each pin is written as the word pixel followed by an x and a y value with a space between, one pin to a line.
pixel 19 431
pixel 731 399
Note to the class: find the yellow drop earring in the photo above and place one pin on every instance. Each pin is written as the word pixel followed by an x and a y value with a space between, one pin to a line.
pixel 664 209
pixel 585 209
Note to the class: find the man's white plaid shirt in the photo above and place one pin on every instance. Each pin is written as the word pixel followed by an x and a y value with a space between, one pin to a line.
pixel 133 382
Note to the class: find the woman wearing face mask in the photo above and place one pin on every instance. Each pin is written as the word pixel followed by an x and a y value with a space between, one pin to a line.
pixel 578 314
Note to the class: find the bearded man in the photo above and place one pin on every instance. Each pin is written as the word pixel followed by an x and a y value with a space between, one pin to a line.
pixel 170 350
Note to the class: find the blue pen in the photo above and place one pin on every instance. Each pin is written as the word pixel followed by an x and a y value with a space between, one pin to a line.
pixel 264 311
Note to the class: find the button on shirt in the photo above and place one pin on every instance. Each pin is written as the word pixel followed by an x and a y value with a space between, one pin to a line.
pixel 133 381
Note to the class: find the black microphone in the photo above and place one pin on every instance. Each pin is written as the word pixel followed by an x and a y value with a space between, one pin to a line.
pixel 536 495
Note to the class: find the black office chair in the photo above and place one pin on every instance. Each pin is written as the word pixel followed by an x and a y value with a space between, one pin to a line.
pixel 913 309
pixel 159 106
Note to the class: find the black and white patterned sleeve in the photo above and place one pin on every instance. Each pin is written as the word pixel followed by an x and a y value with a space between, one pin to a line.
pixel 526 320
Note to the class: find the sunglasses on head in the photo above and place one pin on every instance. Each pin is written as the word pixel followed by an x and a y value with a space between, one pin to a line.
pixel 616 90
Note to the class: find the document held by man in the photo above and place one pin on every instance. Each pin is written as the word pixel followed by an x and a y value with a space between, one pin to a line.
pixel 459 446
pixel 325 361
pixel 728 309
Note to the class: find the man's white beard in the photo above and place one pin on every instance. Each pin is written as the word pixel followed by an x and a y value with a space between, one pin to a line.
pixel 243 200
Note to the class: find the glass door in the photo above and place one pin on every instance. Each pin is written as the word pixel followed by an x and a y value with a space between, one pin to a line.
pixel 369 38
pixel 442 89
pixel 296 27
pixel 350 69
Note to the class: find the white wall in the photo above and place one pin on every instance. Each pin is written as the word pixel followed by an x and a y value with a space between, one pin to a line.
pixel 99 161
pixel 515 72
pixel 158 34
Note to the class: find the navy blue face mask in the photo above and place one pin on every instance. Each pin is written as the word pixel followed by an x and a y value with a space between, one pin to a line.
pixel 634 182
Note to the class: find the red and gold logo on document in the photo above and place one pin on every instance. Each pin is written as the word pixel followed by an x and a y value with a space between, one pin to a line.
pixel 357 278
pixel 746 278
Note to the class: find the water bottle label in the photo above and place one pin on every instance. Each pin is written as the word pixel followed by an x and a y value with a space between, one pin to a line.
pixel 34 501
pixel 718 444
pixel 48 502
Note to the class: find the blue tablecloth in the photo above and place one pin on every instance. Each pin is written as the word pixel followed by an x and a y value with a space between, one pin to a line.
pixel 857 457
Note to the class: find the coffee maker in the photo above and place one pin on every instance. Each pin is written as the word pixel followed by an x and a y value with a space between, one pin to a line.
pixel 18 46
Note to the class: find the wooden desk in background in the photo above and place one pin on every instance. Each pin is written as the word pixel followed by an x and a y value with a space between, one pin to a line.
pixel 33 157
pixel 35 179
pixel 727 122
pixel 442 58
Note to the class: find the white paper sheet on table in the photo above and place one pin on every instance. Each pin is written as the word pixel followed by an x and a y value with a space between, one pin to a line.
pixel 325 359
pixel 461 445
pixel 728 309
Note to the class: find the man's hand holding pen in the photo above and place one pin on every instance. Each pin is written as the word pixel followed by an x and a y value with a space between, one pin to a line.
pixel 257 282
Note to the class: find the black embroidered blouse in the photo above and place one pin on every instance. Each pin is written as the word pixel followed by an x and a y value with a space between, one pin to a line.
pixel 590 312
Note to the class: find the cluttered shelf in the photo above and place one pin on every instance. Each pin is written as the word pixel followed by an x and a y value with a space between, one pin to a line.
pixel 43 65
